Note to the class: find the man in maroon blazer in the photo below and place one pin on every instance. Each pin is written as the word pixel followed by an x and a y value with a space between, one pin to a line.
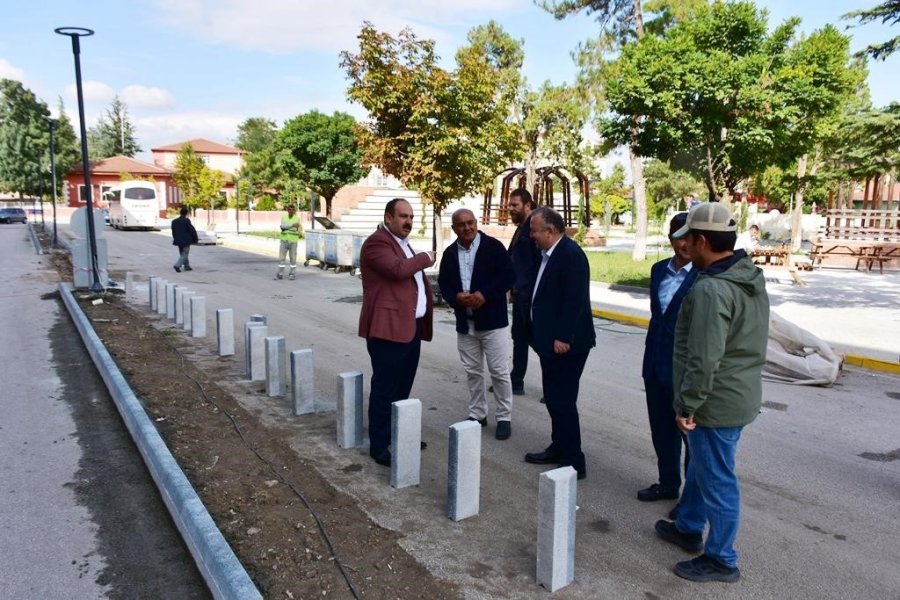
pixel 395 318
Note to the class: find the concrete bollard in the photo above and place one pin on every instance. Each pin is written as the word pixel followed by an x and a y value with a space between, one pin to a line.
pixel 225 331
pixel 303 383
pixel 179 304
pixel 557 491
pixel 406 440
pixel 161 296
pixel 464 477
pixel 186 310
pixel 151 285
pixel 170 300
pixel 275 363
pixel 256 350
pixel 350 409
pixel 129 286
pixel 198 316
pixel 253 320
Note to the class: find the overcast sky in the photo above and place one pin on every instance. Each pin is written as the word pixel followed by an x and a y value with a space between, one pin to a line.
pixel 197 68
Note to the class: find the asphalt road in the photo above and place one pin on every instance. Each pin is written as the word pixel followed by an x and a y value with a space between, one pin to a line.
pixel 820 468
pixel 80 516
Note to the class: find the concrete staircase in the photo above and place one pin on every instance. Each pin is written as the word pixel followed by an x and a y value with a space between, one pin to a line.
pixel 369 213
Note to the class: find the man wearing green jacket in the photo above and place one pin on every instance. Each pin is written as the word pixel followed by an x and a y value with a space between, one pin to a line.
pixel 290 235
pixel 720 349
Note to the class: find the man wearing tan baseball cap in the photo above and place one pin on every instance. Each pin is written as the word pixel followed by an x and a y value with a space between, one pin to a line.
pixel 720 349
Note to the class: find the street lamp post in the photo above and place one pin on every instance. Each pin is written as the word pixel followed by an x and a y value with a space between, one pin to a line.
pixel 52 125
pixel 75 33
pixel 237 205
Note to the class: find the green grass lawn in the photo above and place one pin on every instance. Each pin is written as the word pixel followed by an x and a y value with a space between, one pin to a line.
pixel 618 268
pixel 274 235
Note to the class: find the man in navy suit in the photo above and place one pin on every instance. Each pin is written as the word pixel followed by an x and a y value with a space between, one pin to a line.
pixel 670 281
pixel 562 334
pixel 526 257
pixel 475 275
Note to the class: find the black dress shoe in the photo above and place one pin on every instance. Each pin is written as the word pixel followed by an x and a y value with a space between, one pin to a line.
pixel 543 401
pixel 657 492
pixel 546 457
pixel 504 430
pixel 483 421
pixel 382 456
pixel 518 390
pixel 689 542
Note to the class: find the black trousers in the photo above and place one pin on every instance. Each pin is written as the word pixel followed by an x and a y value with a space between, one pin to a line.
pixel 561 375
pixel 394 367
pixel 519 331
pixel 667 439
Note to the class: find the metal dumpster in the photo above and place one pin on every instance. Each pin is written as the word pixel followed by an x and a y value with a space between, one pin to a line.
pixel 344 250
pixel 312 247
pixel 329 250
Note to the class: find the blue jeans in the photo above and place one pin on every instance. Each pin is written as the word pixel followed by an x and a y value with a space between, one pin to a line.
pixel 711 492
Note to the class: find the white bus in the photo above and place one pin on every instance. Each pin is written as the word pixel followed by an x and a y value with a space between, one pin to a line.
pixel 133 205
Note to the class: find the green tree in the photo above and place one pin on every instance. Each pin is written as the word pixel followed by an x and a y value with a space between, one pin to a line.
pixel 66 145
pixel 199 185
pixel 24 140
pixel 113 135
pixel 887 12
pixel 321 151
pixel 720 92
pixel 610 196
pixel 669 188
pixel 621 23
pixel 256 134
pixel 443 133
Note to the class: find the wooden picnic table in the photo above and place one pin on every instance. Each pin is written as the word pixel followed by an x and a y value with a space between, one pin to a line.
pixel 770 255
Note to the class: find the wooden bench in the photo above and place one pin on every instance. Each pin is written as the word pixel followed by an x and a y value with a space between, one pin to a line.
pixel 868 235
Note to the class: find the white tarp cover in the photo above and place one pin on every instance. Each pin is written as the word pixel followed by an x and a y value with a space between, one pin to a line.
pixel 798 357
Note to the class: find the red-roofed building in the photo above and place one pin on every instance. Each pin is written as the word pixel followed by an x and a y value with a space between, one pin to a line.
pixel 109 172
pixel 220 157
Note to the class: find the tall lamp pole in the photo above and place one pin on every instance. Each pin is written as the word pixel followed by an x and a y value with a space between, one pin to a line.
pixel 52 125
pixel 75 33
pixel 237 205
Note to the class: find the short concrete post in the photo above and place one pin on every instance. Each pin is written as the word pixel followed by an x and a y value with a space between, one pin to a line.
pixel 275 363
pixel 225 331
pixel 161 296
pixel 406 440
pixel 303 383
pixel 253 320
pixel 256 350
pixel 198 316
pixel 556 528
pixel 186 310
pixel 170 300
pixel 129 286
pixel 464 477
pixel 350 409
pixel 151 285
pixel 179 304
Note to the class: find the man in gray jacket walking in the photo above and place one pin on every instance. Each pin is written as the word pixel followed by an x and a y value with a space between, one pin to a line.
pixel 720 349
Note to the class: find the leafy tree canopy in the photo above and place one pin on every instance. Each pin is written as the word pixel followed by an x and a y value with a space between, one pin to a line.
pixel 256 134
pixel 200 186
pixel 887 12
pixel 24 140
pixel 113 135
pixel 724 95
pixel 445 133
pixel 321 151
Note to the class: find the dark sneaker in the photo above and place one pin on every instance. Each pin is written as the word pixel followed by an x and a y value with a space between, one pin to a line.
pixel 504 430
pixel 279 276
pixel 689 542
pixel 656 492
pixel 706 568
pixel 177 269
pixel 482 422
pixel 188 268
